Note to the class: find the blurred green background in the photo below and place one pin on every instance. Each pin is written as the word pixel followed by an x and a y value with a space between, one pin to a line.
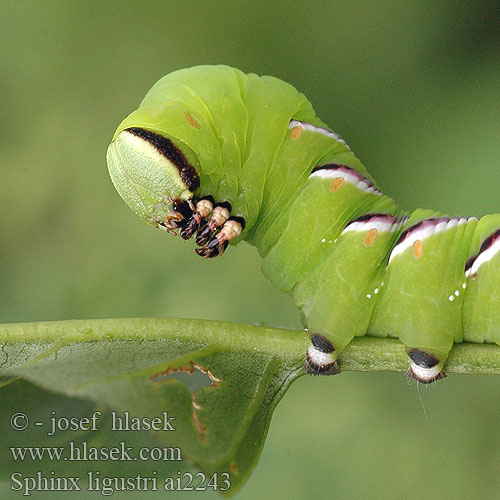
pixel 414 88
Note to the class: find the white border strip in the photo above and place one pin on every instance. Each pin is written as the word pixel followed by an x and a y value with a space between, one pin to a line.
pixel 483 257
pixel 440 226
pixel 358 180
pixel 320 130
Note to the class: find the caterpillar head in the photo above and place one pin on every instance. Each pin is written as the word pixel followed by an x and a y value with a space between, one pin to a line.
pixel 153 176
pixel 157 178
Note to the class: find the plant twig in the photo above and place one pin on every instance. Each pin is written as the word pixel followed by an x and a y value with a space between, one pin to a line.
pixel 362 354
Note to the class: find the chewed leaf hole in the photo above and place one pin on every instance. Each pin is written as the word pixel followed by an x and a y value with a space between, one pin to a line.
pixel 193 376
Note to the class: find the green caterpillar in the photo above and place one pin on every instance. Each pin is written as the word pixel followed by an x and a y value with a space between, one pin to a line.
pixel 226 156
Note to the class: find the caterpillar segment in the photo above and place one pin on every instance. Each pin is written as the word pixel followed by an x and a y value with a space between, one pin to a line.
pixel 425 275
pixel 221 156
pixel 481 290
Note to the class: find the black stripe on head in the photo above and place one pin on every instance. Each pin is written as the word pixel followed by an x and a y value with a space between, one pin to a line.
pixel 321 343
pixel 423 359
pixel 170 151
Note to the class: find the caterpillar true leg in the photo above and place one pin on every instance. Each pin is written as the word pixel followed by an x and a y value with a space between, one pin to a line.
pixel 231 229
pixel 219 216
pixel 203 209
pixel 179 216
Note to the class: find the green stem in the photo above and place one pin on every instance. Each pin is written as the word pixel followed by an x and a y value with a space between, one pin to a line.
pixel 362 354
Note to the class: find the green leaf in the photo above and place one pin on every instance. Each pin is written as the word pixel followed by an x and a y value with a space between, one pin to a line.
pixel 220 381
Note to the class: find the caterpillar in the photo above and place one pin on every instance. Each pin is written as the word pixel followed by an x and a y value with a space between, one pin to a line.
pixel 223 156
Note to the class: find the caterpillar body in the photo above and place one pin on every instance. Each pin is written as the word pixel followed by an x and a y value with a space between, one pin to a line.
pixel 225 156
